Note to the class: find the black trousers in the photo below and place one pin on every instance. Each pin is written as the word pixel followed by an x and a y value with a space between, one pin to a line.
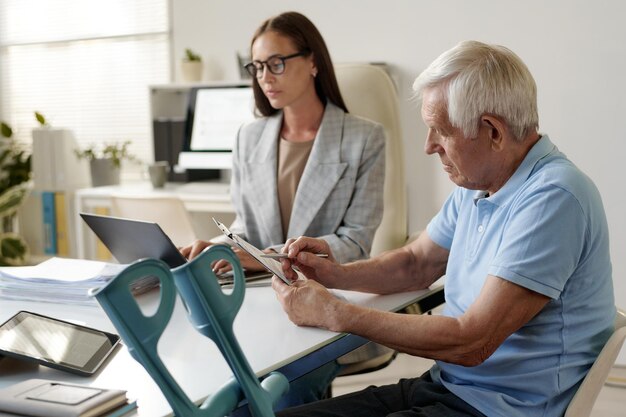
pixel 416 397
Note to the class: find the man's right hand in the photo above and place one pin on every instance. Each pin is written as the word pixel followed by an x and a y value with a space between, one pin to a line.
pixel 301 252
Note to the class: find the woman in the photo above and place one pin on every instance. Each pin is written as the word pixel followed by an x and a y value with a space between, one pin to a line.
pixel 306 167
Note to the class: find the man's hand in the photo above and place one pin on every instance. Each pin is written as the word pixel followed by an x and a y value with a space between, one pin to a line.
pixel 301 255
pixel 308 303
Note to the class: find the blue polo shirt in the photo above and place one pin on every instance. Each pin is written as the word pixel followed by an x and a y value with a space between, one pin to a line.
pixel 544 230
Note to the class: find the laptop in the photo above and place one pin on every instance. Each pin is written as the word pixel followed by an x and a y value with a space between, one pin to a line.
pixel 130 240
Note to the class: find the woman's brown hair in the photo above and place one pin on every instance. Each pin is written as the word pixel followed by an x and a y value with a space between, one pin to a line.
pixel 305 37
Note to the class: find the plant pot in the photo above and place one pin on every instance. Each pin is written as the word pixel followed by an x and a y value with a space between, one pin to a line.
pixel 191 70
pixel 104 172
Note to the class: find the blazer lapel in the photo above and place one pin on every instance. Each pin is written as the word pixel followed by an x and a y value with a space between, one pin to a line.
pixel 263 192
pixel 323 169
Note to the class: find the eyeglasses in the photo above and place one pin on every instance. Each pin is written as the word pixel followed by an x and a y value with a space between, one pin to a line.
pixel 275 64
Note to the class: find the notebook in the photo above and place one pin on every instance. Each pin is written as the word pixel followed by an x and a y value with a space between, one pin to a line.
pixel 130 240
pixel 39 398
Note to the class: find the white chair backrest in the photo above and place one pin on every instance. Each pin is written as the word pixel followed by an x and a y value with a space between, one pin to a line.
pixel 169 212
pixel 369 92
pixel 588 392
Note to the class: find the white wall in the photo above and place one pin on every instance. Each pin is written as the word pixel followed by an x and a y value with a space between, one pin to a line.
pixel 576 50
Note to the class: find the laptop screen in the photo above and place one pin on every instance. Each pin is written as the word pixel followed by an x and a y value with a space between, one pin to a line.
pixel 131 240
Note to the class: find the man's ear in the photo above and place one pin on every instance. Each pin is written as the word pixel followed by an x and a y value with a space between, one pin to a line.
pixel 496 130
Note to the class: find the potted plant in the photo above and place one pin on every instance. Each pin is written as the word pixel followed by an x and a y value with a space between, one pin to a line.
pixel 105 162
pixel 15 172
pixel 191 66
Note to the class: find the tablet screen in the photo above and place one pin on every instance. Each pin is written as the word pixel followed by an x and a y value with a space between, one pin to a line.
pixel 56 343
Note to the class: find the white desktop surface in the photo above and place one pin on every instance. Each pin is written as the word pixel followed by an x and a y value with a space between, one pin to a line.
pixel 196 195
pixel 267 337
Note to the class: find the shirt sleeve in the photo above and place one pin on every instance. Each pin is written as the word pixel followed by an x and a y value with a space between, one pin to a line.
pixel 441 228
pixel 543 241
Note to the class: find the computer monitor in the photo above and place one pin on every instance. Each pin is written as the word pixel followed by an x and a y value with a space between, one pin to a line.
pixel 214 116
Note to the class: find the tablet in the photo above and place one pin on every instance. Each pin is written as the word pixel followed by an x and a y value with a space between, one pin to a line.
pixel 55 343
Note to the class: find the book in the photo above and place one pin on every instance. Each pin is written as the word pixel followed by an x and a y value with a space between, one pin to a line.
pixel 62 232
pixel 49 222
pixel 102 252
pixel 122 410
pixel 44 398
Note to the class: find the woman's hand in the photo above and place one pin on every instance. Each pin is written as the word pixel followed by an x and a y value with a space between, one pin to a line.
pixel 221 266
pixel 193 250
pixel 247 262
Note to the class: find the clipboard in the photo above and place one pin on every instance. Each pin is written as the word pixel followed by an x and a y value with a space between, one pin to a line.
pixel 271 265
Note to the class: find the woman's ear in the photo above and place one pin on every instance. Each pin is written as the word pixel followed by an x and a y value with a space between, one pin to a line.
pixel 313 66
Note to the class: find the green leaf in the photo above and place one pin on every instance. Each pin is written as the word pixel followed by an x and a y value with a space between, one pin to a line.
pixel 40 118
pixel 13 249
pixel 6 130
pixel 4 156
pixel 192 56
pixel 11 199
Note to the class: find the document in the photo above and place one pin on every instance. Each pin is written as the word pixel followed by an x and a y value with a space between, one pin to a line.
pixel 271 265
pixel 63 270
pixel 61 280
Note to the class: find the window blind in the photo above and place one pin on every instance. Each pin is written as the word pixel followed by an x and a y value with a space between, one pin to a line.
pixel 86 65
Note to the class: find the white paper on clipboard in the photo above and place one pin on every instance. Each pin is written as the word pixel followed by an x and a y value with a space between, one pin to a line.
pixel 271 265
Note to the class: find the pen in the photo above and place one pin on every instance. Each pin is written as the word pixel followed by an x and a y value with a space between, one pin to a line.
pixel 284 255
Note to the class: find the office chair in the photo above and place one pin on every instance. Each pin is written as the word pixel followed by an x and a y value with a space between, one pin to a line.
pixel 588 391
pixel 212 314
pixel 369 92
pixel 168 211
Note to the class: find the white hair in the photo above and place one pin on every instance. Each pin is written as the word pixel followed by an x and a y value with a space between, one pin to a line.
pixel 478 78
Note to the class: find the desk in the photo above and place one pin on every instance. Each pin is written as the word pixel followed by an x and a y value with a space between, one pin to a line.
pixel 210 197
pixel 269 340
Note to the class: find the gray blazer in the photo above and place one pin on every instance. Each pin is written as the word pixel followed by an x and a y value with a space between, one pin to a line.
pixel 339 197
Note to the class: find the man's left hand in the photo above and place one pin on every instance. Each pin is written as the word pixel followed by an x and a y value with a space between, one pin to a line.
pixel 308 303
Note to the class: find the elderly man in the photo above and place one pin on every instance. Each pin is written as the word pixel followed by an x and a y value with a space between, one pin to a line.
pixel 523 242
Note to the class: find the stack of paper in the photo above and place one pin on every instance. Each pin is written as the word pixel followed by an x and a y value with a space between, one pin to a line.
pixel 61 280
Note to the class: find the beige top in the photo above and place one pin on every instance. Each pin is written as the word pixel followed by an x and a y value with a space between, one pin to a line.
pixel 292 158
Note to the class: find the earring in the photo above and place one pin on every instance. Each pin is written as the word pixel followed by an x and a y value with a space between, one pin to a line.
pixel 314 72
